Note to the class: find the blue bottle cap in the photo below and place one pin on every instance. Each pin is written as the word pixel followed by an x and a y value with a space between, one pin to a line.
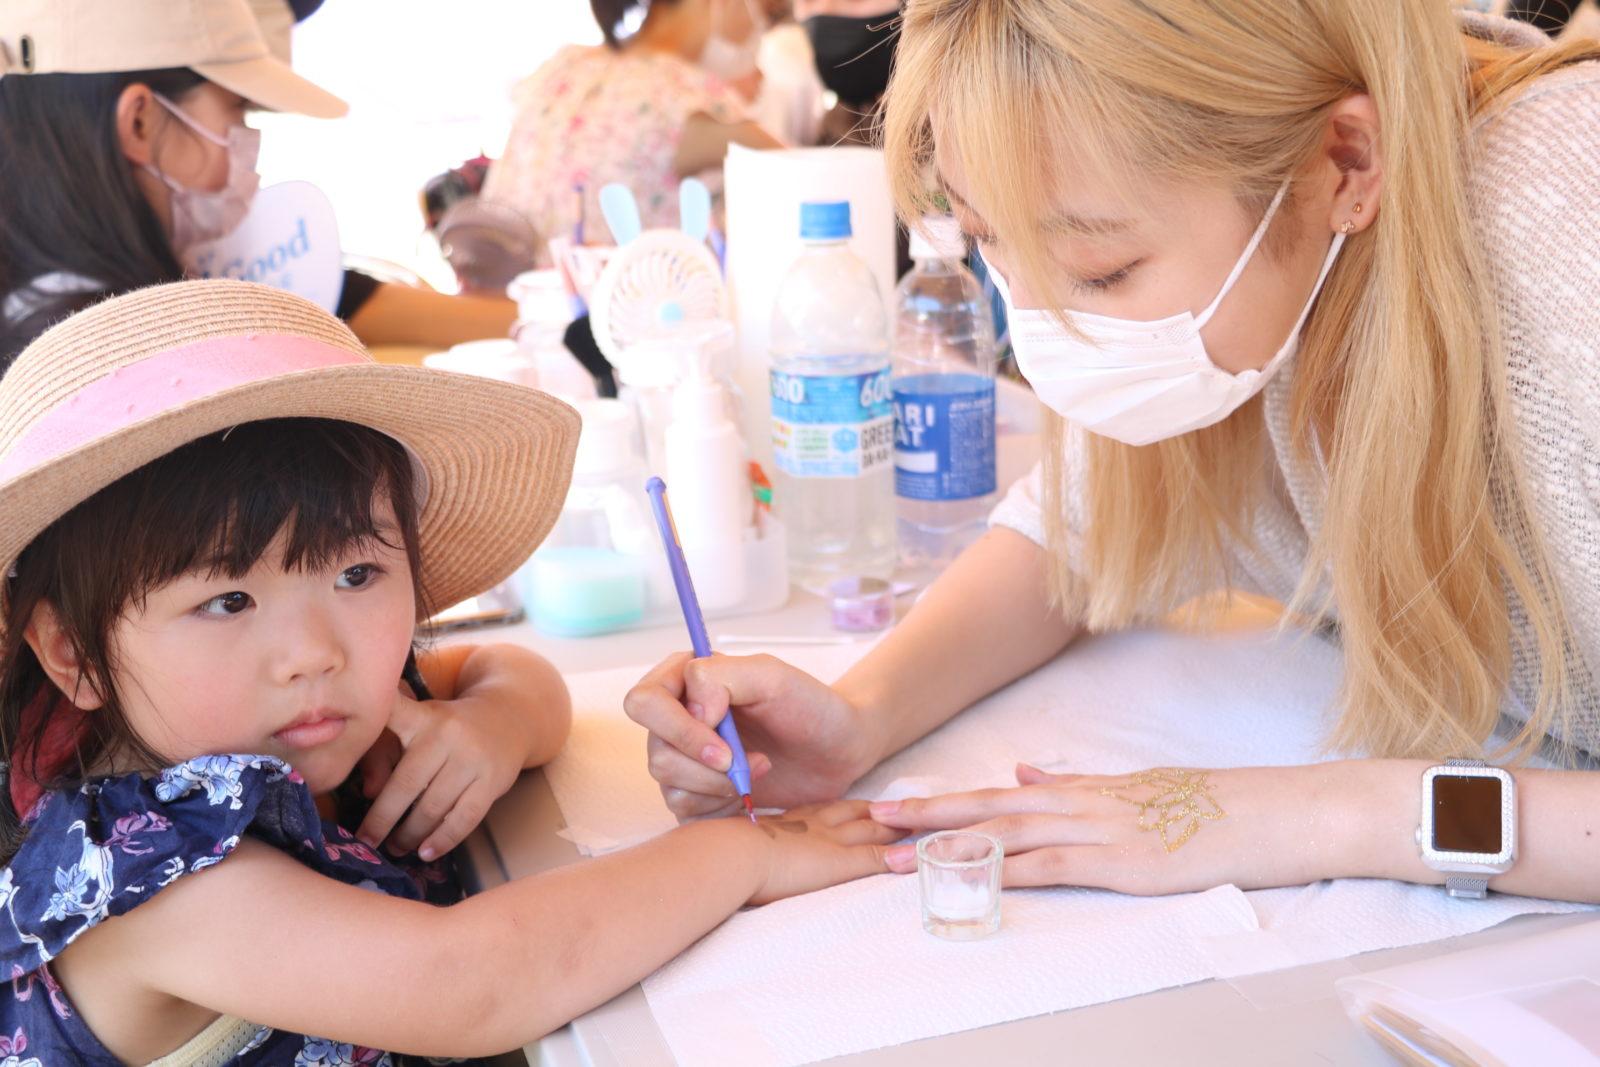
pixel 827 220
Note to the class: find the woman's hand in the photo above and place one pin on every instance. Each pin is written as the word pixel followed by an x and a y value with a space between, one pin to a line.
pixel 1167 830
pixel 820 845
pixel 803 740
pixel 444 760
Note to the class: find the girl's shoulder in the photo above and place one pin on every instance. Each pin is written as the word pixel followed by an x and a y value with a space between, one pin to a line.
pixel 104 848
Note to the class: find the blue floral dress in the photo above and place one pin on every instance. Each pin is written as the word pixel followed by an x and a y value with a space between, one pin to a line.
pixel 113 843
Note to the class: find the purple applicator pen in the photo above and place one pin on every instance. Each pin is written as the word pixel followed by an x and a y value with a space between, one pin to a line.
pixel 739 768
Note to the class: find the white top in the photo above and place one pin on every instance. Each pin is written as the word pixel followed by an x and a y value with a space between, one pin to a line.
pixel 1535 198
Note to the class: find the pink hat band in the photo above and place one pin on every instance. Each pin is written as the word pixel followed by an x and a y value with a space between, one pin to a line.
pixel 162 382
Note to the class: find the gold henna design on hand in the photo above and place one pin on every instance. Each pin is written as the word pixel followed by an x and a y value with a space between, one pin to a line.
pixel 1171 801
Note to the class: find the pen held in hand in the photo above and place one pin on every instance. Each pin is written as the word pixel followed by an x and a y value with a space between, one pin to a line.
pixel 739 768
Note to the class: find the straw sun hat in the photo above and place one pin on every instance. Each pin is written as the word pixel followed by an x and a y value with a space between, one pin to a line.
pixel 129 380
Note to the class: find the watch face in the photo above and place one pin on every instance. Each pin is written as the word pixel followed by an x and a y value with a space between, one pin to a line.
pixel 1466 814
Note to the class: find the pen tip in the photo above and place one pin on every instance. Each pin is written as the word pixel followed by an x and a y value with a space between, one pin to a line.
pixel 749 807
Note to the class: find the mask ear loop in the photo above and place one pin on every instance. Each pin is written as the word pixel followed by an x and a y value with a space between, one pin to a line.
pixel 1244 260
pixel 178 113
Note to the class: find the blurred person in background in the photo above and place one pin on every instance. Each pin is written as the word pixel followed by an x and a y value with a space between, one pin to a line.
pixel 853 43
pixel 660 101
pixel 126 145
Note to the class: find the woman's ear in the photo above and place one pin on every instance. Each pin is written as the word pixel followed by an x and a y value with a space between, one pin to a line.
pixel 136 123
pixel 1351 144
pixel 53 648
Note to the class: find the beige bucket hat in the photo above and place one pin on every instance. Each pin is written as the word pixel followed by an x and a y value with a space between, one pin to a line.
pixel 128 380
pixel 218 39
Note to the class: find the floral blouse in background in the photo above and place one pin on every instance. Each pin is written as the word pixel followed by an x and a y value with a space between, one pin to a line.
pixel 592 116
pixel 102 849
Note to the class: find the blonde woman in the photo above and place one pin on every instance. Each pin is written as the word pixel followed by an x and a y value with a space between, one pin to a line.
pixel 1309 285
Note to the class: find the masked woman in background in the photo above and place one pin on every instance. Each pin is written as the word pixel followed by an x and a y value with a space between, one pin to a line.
pixel 126 147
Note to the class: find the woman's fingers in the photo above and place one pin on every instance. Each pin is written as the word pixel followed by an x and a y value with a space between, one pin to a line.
pixel 656 703
pixel 1091 866
pixel 1028 774
pixel 866 832
pixel 673 769
pixel 1025 833
pixel 685 805
pixel 955 810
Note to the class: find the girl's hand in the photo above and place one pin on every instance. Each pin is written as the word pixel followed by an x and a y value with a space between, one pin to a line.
pixel 820 845
pixel 446 761
pixel 1165 830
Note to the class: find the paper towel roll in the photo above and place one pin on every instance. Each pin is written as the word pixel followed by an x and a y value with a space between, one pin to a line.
pixel 763 191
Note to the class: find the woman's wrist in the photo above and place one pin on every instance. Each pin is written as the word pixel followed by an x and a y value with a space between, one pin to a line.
pixel 869 718
pixel 1378 819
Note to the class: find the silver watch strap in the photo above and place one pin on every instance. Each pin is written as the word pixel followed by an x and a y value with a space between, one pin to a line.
pixel 1467 886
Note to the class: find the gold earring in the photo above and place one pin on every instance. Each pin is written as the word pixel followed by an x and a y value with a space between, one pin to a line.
pixel 1357 208
pixel 1347 227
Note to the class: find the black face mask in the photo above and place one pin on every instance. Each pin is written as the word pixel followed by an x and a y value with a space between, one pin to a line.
pixel 854 55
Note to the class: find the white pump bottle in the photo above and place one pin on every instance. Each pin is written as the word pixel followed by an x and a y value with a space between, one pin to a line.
pixel 706 475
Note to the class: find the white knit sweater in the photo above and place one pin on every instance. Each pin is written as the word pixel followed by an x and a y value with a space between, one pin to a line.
pixel 1535 191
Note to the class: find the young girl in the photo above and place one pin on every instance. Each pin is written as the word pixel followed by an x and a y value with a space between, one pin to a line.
pixel 220 523
pixel 1309 288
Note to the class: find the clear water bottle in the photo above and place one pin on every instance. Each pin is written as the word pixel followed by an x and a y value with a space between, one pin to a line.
pixel 832 420
pixel 944 400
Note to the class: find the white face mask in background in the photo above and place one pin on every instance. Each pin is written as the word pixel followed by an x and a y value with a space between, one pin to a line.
pixel 732 60
pixel 1141 382
pixel 201 215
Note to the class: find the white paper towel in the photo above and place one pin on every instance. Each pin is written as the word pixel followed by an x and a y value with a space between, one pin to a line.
pixel 762 194
pixel 850 969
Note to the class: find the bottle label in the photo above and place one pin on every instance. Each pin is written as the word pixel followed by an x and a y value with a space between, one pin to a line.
pixel 944 436
pixel 832 425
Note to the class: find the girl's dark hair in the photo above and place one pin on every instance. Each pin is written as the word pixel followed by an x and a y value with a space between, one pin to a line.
pixel 214 504
pixel 614 17
pixel 71 202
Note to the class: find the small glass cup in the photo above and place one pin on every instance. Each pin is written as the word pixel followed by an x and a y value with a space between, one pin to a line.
pixel 959 875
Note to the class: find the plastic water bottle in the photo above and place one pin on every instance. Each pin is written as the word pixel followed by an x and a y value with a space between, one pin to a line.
pixel 944 400
pixel 832 420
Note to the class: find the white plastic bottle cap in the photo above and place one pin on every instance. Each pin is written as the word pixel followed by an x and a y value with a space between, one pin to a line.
pixel 606 442
pixel 938 237
pixel 541 297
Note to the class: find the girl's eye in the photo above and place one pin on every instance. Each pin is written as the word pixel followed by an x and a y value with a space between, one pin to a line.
pixel 359 575
pixel 1105 281
pixel 227 604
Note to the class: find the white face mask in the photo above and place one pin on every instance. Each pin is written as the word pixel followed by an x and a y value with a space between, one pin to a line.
pixel 200 215
pixel 1141 382
pixel 732 60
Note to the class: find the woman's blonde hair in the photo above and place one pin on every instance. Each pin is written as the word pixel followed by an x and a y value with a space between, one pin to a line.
pixel 1426 531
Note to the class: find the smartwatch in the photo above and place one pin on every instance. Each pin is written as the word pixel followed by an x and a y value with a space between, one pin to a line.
pixel 1469 824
